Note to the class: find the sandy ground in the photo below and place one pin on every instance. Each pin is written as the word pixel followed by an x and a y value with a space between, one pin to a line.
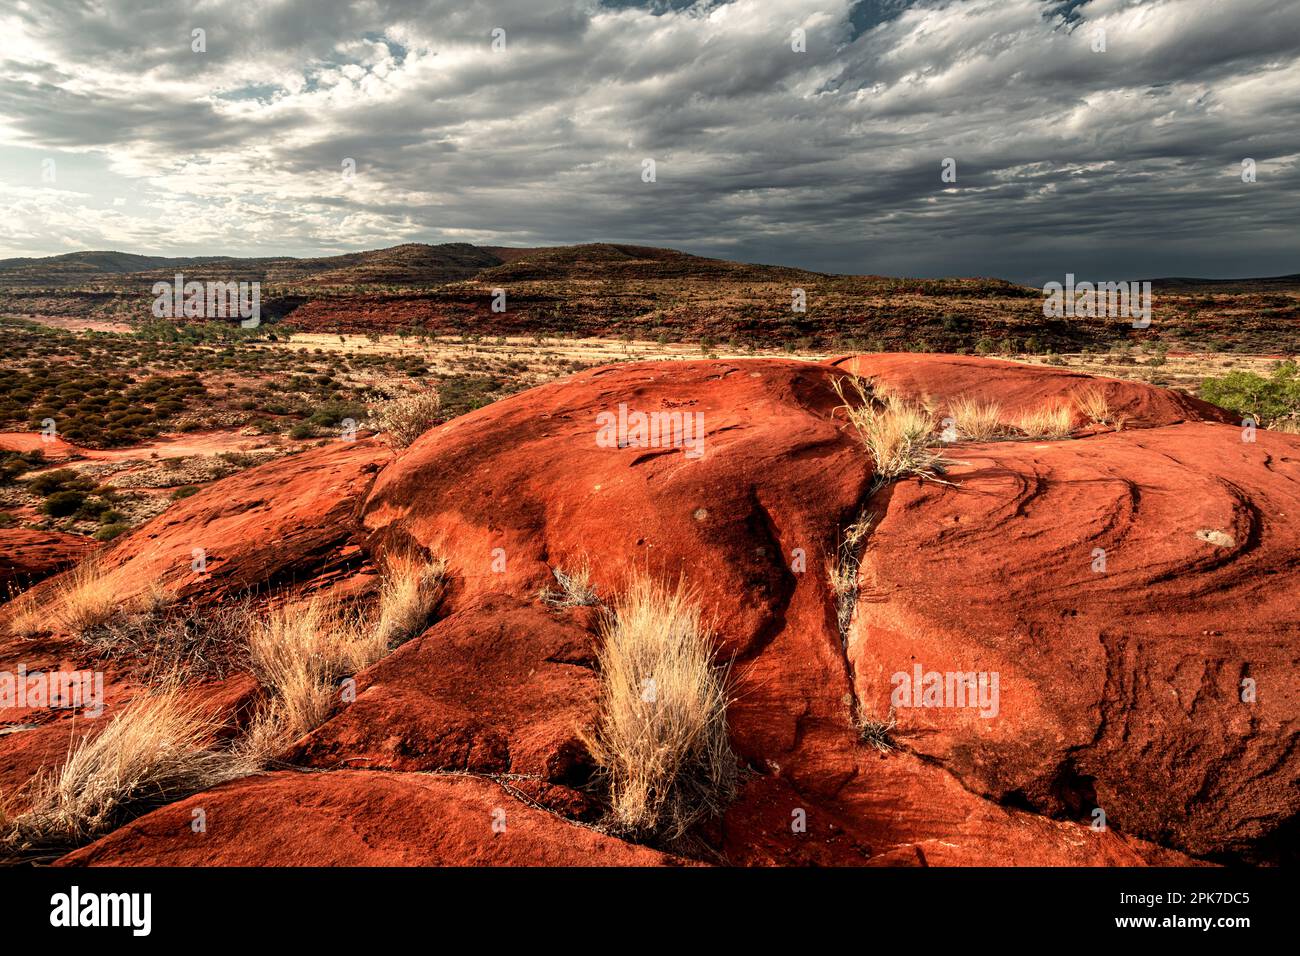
pixel 177 446
pixel 76 325
pixel 524 348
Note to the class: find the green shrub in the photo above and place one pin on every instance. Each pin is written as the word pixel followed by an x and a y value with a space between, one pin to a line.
pixel 61 504
pixel 1267 400
pixel 51 481
pixel 110 531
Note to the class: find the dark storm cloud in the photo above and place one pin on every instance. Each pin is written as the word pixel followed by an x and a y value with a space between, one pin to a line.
pixel 1113 164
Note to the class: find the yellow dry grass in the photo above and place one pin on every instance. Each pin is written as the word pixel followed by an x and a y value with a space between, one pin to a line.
pixel 575 587
pixel 977 421
pixel 301 652
pixel 1047 421
pixel 156 751
pixel 898 435
pixel 1092 405
pixel 409 590
pixel 660 740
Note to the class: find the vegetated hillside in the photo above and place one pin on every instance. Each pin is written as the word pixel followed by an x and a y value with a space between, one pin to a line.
pixel 603 261
pixel 108 270
pixel 412 264
pixel 609 289
pixel 1115 688
pixel 1289 283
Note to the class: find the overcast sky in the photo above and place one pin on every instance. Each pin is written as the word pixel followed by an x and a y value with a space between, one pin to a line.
pixel 1117 164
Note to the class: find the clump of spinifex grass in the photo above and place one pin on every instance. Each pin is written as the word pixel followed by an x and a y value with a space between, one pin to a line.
pixel 1054 421
pixel 82 598
pixel 898 434
pixel 301 652
pixel 575 588
pixel 158 750
pixel 410 588
pixel 977 421
pixel 660 740
pixel 1092 404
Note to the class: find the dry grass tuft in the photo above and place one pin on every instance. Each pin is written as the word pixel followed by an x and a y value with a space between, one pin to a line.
pixel 162 641
pixel 406 418
pixel 409 591
pixel 843 572
pixel 1049 421
pixel 878 733
pixel 28 616
pixel 977 421
pixel 86 597
pixel 576 589
pixel 661 738
pixel 1092 405
pixel 300 652
pixel 157 751
pixel 898 436
pixel 83 599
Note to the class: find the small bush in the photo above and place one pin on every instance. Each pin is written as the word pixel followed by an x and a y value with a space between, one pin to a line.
pixel 61 504
pixel 1267 400
pixel 162 640
pixel 407 418
pixel 107 532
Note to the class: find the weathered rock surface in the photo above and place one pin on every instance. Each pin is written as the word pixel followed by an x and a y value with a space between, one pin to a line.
pixel 356 818
pixel 28 556
pixel 1017 386
pixel 1129 589
pixel 1119 689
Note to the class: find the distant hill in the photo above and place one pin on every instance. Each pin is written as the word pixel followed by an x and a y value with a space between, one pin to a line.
pixel 617 289
pixel 105 262
pixel 603 260
pixel 414 264
pixel 410 264
pixel 1267 284
pixel 421 265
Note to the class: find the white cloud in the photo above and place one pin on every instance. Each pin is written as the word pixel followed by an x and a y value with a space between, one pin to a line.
pixel 828 158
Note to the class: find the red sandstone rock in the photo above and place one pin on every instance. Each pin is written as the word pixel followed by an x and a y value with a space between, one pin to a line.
pixel 502 687
pixel 1117 689
pixel 28 556
pixel 1017 386
pixel 282 524
pixel 356 818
